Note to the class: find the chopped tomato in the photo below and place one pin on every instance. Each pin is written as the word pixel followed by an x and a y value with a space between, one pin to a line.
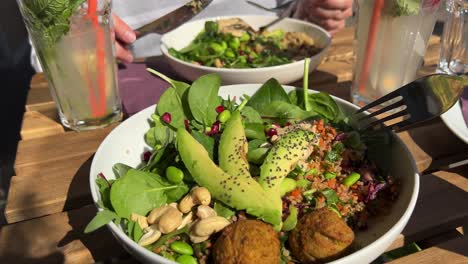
pixel 332 183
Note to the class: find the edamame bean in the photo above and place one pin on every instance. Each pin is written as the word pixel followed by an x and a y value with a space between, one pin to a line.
pixel 229 53
pixel 224 116
pixel 224 45
pixel 242 59
pixel 181 248
pixel 351 179
pixel 330 175
pixel 186 259
pixel 218 49
pixel 303 183
pixel 312 171
pixel 244 37
pixel 287 185
pixel 234 43
pixel 174 175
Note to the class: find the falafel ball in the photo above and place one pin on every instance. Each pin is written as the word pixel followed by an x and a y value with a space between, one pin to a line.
pixel 247 241
pixel 320 236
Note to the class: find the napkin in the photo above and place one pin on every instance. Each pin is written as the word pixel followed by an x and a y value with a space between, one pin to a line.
pixel 138 88
pixel 464 104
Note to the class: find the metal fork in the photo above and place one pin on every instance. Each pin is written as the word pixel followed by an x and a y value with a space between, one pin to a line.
pixel 418 101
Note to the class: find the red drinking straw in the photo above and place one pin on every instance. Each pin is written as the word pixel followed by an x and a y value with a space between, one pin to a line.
pixel 370 46
pixel 101 106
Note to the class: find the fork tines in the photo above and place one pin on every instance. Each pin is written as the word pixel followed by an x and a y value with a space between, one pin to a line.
pixel 380 123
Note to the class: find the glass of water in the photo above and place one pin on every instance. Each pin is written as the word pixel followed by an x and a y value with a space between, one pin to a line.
pixel 454 41
pixel 73 41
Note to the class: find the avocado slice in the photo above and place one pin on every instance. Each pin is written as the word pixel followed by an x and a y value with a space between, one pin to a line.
pixel 233 147
pixel 241 193
pixel 291 148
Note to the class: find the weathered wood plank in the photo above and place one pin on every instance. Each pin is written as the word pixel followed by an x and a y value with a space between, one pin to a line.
pixel 36 125
pixel 58 238
pixel 454 251
pixel 59 147
pixel 62 188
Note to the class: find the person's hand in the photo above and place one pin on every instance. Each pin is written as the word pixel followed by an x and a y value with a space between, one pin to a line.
pixel 124 36
pixel 330 14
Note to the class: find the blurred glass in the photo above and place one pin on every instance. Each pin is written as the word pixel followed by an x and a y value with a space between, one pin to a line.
pixel 390 42
pixel 73 41
pixel 454 40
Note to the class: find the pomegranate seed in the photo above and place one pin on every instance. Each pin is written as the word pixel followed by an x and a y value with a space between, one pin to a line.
pixel 272 132
pixel 275 125
pixel 186 123
pixel 146 156
pixel 166 118
pixel 214 129
pixel 220 109
pixel 241 53
pixel 287 124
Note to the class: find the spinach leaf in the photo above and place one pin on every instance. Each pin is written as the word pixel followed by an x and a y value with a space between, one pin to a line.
pixel 223 210
pixel 139 192
pixel 257 156
pixel 170 102
pixel 137 232
pixel 180 87
pixel 206 141
pixel 255 143
pixel 104 190
pixel 325 106
pixel 254 131
pixel 286 111
pixel 270 91
pixel 251 115
pixel 120 169
pixel 203 98
pixel 159 135
pixel 130 227
pixel 102 218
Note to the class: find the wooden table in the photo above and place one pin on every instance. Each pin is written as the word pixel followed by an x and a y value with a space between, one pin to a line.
pixel 49 201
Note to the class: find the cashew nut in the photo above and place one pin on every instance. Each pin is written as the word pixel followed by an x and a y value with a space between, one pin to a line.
pixel 173 205
pixel 186 220
pixel 151 235
pixel 199 195
pixel 198 239
pixel 186 204
pixel 210 225
pixel 141 220
pixel 156 214
pixel 170 220
pixel 204 211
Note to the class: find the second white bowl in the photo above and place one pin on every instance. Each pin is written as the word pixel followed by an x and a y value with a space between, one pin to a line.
pixel 286 73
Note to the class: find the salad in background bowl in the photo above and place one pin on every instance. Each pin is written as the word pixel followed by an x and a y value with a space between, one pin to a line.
pixel 196 48
pixel 260 173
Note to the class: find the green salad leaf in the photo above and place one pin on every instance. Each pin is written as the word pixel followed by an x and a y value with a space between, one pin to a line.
pixel 271 91
pixel 279 110
pixel 102 218
pixel 170 102
pixel 250 115
pixel 139 192
pixel 203 98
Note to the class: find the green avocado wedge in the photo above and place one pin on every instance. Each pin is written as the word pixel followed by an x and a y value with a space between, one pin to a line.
pixel 233 147
pixel 240 193
pixel 281 160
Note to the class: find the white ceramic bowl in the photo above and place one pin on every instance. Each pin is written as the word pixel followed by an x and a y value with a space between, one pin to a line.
pixel 286 73
pixel 126 143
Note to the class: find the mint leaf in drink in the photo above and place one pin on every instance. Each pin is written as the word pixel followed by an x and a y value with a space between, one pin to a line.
pixel 50 18
pixel 406 7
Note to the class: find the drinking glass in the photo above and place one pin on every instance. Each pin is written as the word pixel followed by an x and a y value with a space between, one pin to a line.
pixel 390 43
pixel 73 41
pixel 454 40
